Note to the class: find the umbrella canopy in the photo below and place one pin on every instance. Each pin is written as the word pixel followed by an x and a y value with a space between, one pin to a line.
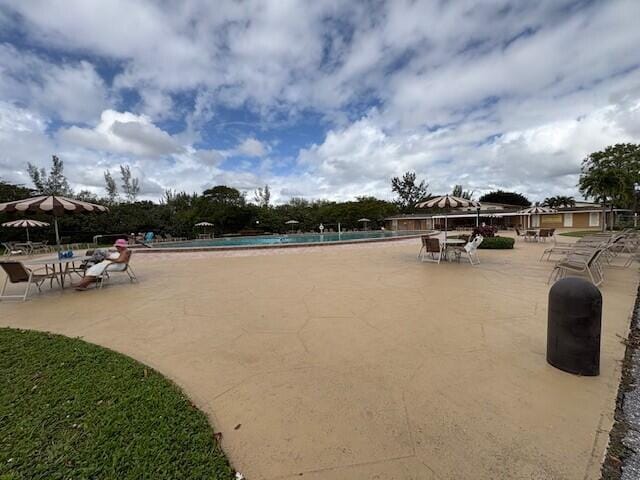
pixel 447 202
pixel 53 205
pixel 536 210
pixel 291 222
pixel 204 224
pixel 364 220
pixel 25 223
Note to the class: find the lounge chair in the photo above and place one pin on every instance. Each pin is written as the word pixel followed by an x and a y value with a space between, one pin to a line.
pixel 18 273
pixel 580 264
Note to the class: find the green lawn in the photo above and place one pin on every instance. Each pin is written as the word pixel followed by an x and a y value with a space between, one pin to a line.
pixel 72 410
pixel 580 233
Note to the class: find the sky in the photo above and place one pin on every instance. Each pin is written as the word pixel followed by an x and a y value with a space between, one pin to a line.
pixel 318 99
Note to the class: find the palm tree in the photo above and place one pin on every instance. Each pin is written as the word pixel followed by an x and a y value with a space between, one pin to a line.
pixel 559 201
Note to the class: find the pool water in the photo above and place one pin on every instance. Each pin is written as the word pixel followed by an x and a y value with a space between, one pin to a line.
pixel 287 239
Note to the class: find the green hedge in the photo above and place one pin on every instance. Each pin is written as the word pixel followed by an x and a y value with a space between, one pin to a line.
pixel 497 243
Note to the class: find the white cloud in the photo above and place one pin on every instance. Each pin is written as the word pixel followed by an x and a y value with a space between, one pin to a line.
pixel 251 147
pixel 73 92
pixel 123 132
pixel 492 94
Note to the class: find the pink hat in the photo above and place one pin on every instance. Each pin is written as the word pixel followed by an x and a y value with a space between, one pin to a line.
pixel 120 243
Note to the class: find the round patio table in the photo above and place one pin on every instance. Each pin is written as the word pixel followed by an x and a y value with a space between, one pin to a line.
pixel 62 269
pixel 452 242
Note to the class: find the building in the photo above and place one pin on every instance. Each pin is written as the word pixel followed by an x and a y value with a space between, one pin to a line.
pixel 583 215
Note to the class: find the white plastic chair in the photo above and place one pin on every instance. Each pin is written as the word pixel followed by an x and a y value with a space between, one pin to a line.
pixel 471 248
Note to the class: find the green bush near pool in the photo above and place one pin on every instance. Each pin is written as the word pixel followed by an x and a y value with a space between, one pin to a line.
pixel 497 243
pixel 73 410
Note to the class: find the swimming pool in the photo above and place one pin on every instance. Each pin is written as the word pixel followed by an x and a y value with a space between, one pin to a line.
pixel 293 239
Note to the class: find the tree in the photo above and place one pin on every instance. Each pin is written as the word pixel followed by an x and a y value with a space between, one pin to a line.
pixel 130 185
pixel 409 193
pixel 110 185
pixel 225 195
pixel 87 196
pixel 262 196
pixel 609 176
pixel 509 198
pixel 10 192
pixel 458 192
pixel 55 183
pixel 559 201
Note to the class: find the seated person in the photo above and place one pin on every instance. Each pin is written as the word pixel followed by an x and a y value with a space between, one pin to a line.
pixel 119 259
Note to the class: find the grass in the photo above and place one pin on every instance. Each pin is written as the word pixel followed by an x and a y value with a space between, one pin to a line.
pixel 72 410
pixel 580 233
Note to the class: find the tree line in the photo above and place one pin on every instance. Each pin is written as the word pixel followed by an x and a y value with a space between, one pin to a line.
pixel 609 177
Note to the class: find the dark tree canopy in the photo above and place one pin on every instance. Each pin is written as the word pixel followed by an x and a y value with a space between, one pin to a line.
pixel 509 198
pixel 609 176
pixel 225 195
pixel 10 192
pixel 559 201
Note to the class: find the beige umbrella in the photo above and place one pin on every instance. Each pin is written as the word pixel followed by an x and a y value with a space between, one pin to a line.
pixel 53 205
pixel 535 210
pixel 447 202
pixel 292 223
pixel 25 223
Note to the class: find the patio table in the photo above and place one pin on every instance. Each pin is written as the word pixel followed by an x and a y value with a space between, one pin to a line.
pixel 62 264
pixel 452 242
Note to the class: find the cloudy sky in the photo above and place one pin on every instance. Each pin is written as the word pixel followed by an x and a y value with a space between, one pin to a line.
pixel 321 99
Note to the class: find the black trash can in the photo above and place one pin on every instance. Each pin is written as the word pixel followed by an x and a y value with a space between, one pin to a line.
pixel 574 326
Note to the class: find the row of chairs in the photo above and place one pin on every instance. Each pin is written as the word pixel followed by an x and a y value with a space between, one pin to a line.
pixel 35 248
pixel 590 254
pixel 436 250
pixel 535 235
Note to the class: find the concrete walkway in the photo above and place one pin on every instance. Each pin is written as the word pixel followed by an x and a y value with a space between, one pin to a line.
pixel 359 362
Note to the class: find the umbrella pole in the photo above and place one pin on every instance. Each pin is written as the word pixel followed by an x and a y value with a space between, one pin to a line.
pixel 27 234
pixel 55 222
pixel 445 227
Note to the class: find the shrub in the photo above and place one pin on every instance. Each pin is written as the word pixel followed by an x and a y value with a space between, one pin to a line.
pixel 485 231
pixel 497 243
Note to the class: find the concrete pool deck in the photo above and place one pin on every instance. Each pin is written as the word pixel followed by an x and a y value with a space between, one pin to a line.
pixel 360 362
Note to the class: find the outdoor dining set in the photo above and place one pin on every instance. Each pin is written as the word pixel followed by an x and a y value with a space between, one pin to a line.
pixel 450 249
pixel 535 234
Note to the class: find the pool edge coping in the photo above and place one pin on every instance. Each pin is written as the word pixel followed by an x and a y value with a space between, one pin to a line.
pixel 142 249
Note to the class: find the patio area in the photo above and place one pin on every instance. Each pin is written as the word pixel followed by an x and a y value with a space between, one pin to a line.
pixel 359 361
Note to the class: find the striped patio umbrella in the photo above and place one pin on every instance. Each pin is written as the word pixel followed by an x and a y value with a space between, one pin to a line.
pixel 25 223
pixel 535 210
pixel 204 224
pixel 292 223
pixel 53 205
pixel 447 202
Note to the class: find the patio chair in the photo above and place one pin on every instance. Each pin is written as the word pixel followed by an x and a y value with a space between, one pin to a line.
pixel 580 264
pixel 116 268
pixel 82 267
pixel 471 249
pixel 544 233
pixel 10 249
pixel 17 273
pixel 433 248
pixel 520 233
